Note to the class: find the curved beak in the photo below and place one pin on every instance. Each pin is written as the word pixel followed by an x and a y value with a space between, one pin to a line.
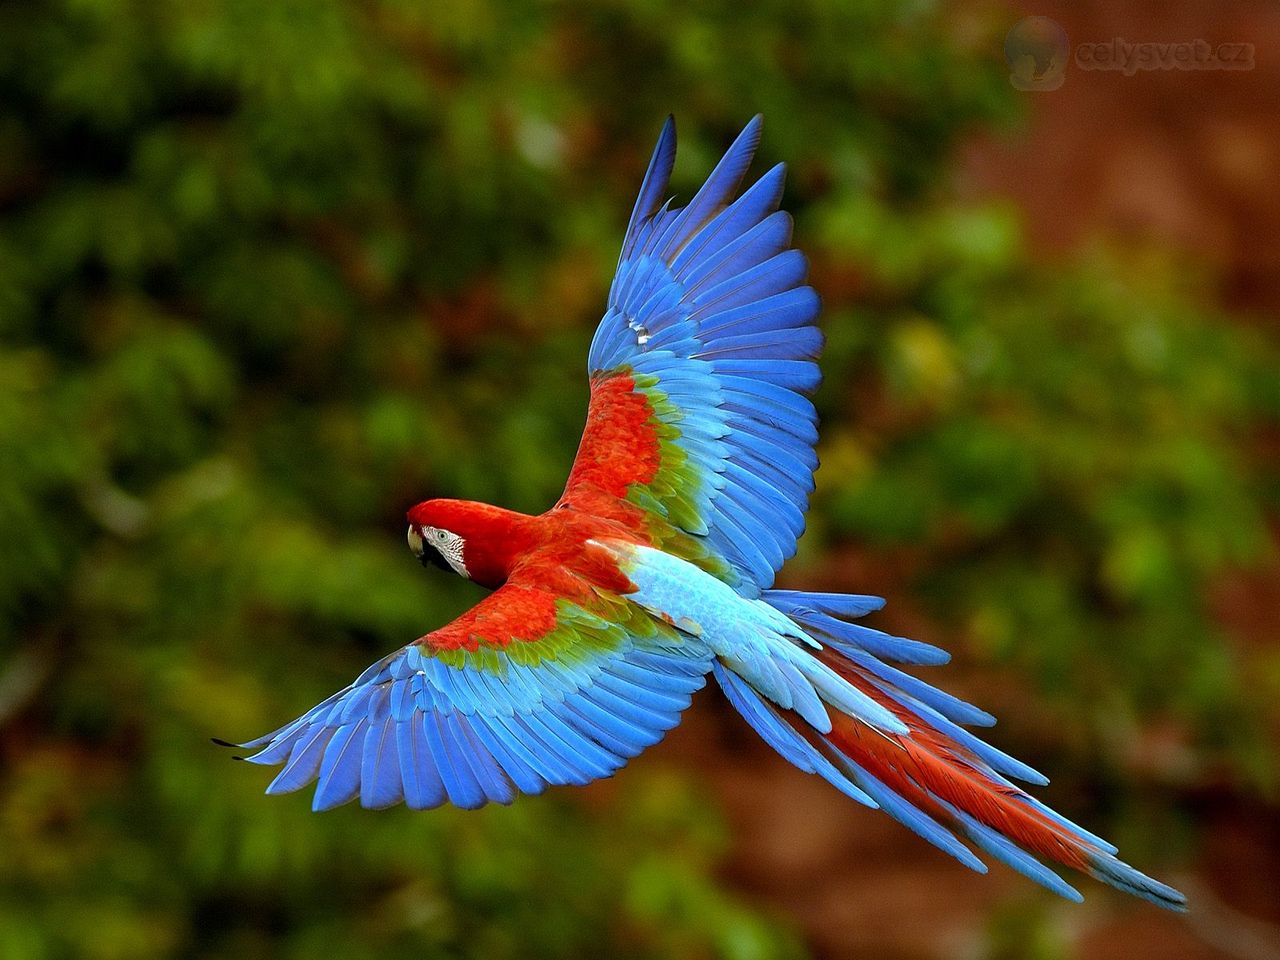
pixel 425 554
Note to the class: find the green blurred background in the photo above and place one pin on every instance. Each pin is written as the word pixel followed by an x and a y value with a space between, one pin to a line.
pixel 272 272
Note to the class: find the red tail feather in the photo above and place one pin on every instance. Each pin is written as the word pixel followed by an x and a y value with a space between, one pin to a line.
pixel 926 764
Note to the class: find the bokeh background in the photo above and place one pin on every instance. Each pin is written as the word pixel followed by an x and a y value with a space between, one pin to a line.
pixel 272 272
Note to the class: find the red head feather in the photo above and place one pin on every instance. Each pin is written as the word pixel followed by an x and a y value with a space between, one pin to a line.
pixel 492 537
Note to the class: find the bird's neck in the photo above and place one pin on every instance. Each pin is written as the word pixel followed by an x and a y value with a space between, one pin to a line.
pixel 495 540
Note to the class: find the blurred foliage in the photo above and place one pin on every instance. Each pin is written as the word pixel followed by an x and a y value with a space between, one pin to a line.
pixel 1071 456
pixel 269 273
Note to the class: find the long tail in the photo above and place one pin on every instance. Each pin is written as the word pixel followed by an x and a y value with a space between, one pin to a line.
pixel 937 779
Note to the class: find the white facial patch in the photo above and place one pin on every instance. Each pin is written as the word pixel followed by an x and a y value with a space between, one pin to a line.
pixel 448 545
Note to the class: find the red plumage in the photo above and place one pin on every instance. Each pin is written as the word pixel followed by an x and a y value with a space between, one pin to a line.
pixel 500 544
pixel 619 445
pixel 927 764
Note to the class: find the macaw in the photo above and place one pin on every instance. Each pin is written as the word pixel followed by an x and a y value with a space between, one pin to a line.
pixel 656 568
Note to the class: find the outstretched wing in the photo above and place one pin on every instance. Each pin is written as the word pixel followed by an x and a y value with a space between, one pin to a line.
pixel 701 370
pixel 525 690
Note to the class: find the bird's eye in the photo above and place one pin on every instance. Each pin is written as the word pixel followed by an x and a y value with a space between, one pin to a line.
pixel 442 535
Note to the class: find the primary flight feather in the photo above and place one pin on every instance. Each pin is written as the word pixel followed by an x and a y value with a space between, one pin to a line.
pixel 656 568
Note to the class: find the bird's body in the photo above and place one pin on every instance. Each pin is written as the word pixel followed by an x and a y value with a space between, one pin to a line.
pixel 655 569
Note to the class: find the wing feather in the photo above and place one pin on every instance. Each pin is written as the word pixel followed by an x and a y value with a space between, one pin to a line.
pixel 481 711
pixel 701 372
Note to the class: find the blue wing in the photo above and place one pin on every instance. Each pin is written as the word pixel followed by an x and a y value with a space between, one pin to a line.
pixel 710 318
pixel 510 714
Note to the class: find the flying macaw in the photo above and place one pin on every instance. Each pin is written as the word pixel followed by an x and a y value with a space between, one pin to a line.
pixel 656 568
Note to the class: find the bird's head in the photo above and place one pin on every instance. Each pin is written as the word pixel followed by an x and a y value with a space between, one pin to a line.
pixel 440 547
pixel 435 537
pixel 474 540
